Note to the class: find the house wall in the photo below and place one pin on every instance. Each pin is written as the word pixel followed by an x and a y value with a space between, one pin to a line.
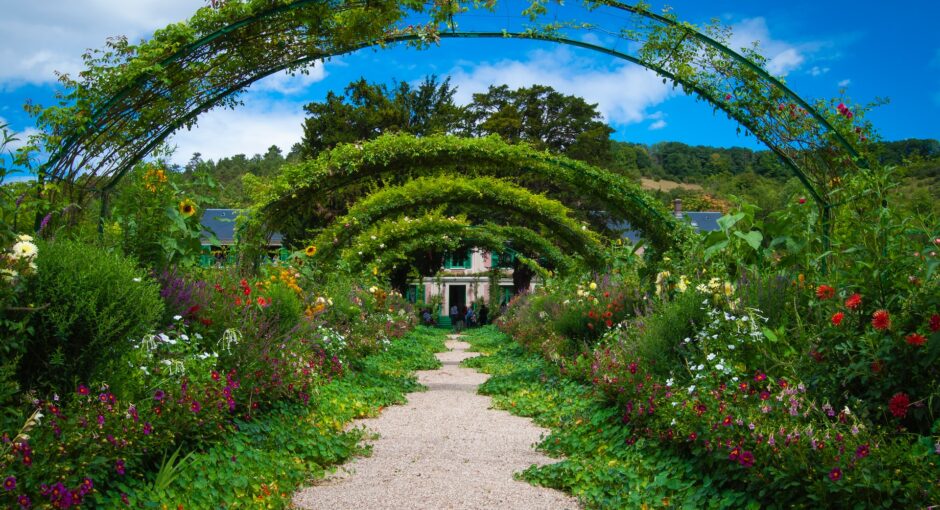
pixel 476 279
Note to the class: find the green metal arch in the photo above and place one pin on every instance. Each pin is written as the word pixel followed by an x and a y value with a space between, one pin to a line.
pixel 491 156
pixel 481 194
pixel 486 235
pixel 86 145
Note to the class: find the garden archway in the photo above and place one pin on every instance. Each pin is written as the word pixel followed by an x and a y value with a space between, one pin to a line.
pixel 131 98
pixel 481 194
pixel 391 241
pixel 402 156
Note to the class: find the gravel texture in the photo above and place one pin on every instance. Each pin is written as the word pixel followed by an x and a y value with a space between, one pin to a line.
pixel 444 449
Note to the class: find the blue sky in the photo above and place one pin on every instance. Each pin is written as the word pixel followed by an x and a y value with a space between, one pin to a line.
pixel 866 48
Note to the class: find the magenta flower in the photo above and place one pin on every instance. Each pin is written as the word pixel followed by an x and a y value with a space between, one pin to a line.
pixel 24 501
pixel 862 451
pixel 195 407
pixel 159 395
pixel 148 429
pixel 835 475
pixel 10 483
pixel 746 459
pixel 119 467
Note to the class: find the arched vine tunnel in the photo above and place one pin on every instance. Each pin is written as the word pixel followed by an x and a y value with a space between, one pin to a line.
pixel 131 98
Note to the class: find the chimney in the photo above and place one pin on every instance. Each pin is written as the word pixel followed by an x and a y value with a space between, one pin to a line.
pixel 677 207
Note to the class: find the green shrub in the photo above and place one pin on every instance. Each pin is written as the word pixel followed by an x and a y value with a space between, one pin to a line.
pixel 285 307
pixel 92 302
pixel 657 336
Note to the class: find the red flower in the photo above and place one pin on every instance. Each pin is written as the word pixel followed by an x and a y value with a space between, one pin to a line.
pixel 764 395
pixel 215 375
pixel 746 459
pixel 876 366
pixel 854 301
pixel 825 292
pixel 727 97
pixel 802 200
pixel 935 323
pixel 837 318
pixel 916 339
pixel 880 320
pixel 898 404
pixel 727 421
pixel 835 475
pixel 760 377
pixel 609 323
pixel 735 454
pixel 82 389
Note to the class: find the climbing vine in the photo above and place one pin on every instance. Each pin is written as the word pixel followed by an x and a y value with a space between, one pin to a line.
pixel 391 242
pixel 481 194
pixel 402 156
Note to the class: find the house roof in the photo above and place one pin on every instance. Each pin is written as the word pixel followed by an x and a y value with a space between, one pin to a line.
pixel 702 221
pixel 221 222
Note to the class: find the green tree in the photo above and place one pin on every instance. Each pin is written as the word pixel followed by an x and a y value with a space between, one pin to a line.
pixel 366 110
pixel 541 116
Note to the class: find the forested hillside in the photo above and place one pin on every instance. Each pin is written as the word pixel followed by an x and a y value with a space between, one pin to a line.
pixel 550 120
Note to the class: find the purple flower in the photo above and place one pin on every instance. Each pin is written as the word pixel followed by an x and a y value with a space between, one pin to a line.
pixel 10 483
pixel 195 407
pixel 24 501
pixel 119 467
pixel 862 451
pixel 45 221
pixel 159 395
pixel 148 428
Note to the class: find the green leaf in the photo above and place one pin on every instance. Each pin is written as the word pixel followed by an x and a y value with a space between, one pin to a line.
pixel 714 249
pixel 728 221
pixel 752 238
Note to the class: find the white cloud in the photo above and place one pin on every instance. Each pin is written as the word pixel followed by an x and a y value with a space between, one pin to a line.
pixel 42 36
pixel 21 137
pixel 249 129
pixel 845 83
pixel 659 124
pixel 782 57
pixel 285 83
pixel 623 92
pixel 816 70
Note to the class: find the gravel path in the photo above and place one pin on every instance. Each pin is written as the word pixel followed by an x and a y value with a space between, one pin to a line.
pixel 444 449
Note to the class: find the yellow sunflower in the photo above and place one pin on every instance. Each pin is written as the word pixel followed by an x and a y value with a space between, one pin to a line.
pixel 311 250
pixel 187 208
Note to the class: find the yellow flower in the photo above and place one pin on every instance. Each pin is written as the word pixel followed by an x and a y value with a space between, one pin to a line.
pixel 375 270
pixel 187 208
pixel 311 250
pixel 593 286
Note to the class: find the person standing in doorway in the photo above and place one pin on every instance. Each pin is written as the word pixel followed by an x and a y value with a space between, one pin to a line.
pixel 454 316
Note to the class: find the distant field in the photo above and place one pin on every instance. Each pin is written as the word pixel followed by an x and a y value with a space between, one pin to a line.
pixel 665 185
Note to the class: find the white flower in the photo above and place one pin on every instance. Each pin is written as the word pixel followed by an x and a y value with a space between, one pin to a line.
pixel 24 238
pixel 24 250
pixel 185 337
pixel 720 366
pixel 167 362
pixel 670 382
pixel 700 367
pixel 731 347
pixel 9 274
pixel 691 389
pixel 177 317
pixel 138 280
pixel 710 356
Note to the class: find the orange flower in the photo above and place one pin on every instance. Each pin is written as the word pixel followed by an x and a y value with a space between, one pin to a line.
pixel 311 250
